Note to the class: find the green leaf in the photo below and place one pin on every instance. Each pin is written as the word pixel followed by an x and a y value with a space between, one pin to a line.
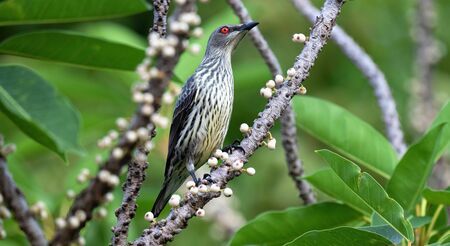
pixel 439 235
pixel 346 133
pixel 437 196
pixel 75 49
pixel 442 117
pixel 415 167
pixel 278 227
pixel 17 12
pixel 114 32
pixel 372 193
pixel 341 236
pixel 327 181
pixel 381 228
pixel 385 231
pixel 38 110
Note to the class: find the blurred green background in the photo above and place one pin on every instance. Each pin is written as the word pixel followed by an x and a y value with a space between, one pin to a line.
pixel 382 27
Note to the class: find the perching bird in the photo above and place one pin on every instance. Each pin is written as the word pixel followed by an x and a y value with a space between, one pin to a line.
pixel 202 112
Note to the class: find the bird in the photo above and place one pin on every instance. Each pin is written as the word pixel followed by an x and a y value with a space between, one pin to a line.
pixel 202 112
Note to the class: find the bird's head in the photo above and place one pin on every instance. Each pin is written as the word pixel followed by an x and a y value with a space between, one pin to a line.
pixel 225 38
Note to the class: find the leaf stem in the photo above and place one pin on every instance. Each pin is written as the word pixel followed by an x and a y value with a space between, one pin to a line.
pixel 433 222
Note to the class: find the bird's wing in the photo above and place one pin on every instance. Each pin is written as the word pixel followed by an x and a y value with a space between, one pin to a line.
pixel 183 108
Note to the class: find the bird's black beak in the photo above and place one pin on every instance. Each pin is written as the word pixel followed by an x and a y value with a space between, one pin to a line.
pixel 248 26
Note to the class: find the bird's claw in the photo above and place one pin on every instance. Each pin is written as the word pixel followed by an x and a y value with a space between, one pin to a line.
pixel 235 145
pixel 207 178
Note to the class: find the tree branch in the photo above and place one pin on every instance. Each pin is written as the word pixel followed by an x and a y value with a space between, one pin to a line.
pixel 375 76
pixel 288 127
pixel 423 102
pixel 164 230
pixel 136 168
pixel 15 201
pixel 127 210
pixel 92 196
pixel 423 110
pixel 160 10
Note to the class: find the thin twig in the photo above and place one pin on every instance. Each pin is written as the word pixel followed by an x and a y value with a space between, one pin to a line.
pixel 92 196
pixel 164 230
pixel 423 103
pixel 288 127
pixel 127 210
pixel 15 201
pixel 423 110
pixel 136 168
pixel 375 76
pixel 160 9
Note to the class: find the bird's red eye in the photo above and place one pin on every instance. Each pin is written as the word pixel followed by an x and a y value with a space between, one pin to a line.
pixel 224 30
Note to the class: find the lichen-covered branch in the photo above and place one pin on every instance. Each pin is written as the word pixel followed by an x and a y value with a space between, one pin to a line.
pixel 422 101
pixel 136 168
pixel 375 76
pixel 127 210
pixel 160 10
pixel 15 201
pixel 163 231
pixel 288 127
pixel 158 79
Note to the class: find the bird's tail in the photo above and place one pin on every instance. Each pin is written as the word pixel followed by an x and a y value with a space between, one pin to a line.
pixel 169 187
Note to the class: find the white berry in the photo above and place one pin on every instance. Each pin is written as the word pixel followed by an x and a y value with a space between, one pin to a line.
pixel 167 98
pixel 138 97
pixel 212 162
pixel 74 222
pixel 60 223
pixel 168 51
pixel 272 143
pixel 224 156
pixel 104 175
pixel 194 190
pixel 149 216
pixel 148 98
pixel 200 212
pixel 142 133
pixel 218 153
pixel 291 72
pixel 117 153
pixel 113 180
pixel 270 84
pixel 203 188
pixel 147 109
pixel 197 32
pixel 81 215
pixel 237 165
pixel 102 212
pixel 302 90
pixel 174 200
pixel 251 171
pixel 266 92
pixel 109 197
pixel 299 38
pixel 131 136
pixel 121 123
pixel 244 128
pixel 190 184
pixel 215 188
pixel 70 194
pixel 228 192
pixel 279 79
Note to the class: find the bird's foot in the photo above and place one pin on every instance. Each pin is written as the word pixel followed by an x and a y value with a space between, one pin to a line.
pixel 196 180
pixel 207 179
pixel 235 145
